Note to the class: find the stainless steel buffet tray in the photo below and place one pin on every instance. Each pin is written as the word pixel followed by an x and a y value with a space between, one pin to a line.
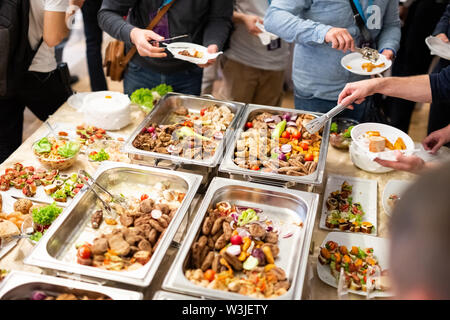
pixel 161 115
pixel 279 204
pixel 19 285
pixel 51 251
pixel 228 166
pixel 164 295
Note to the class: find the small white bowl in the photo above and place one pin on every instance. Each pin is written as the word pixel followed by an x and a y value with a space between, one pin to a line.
pixel 363 158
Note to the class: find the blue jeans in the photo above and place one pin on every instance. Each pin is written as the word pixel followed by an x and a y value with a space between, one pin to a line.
pixel 323 106
pixel 187 82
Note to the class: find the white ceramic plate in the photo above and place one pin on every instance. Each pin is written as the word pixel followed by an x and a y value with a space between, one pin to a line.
pixel 176 47
pixel 438 47
pixel 396 187
pixel 76 100
pixel 364 192
pixel 381 251
pixel 391 133
pixel 355 61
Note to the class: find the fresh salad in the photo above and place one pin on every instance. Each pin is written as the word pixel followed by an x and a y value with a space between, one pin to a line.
pixel 43 217
pixel 148 98
pixel 89 134
pixel 55 149
pixel 99 156
pixel 360 266
pixel 340 139
pixel 345 214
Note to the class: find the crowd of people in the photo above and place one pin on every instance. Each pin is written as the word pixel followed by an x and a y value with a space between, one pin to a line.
pixel 314 35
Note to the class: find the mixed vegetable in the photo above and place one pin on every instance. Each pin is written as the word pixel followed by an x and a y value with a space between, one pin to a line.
pixel 345 214
pixel 340 139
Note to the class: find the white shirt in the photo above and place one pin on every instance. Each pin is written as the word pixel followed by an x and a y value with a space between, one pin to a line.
pixel 44 61
pixel 248 49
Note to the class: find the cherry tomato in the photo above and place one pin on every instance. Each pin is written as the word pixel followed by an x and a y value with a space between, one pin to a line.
pixel 93 153
pixel 202 112
pixel 255 168
pixel 309 157
pixel 304 146
pixel 297 135
pixel 236 240
pixel 76 190
pixel 101 131
pixel 144 196
pixel 285 135
pixel 98 135
pixel 79 185
pixel 188 124
pixel 209 275
pixel 249 125
pixel 84 252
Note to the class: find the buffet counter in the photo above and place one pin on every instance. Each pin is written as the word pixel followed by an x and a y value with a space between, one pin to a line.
pixel 337 162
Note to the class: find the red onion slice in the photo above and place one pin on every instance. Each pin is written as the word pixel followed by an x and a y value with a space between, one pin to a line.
pixel 291 124
pixel 234 250
pixel 268 120
pixel 272 125
pixel 288 235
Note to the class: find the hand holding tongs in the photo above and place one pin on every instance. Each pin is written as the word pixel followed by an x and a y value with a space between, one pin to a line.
pixel 316 124
pixel 168 39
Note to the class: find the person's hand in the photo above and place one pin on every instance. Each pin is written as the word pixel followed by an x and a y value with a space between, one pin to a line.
pixel 443 37
pixel 213 48
pixel 411 164
pixel 141 39
pixel 388 54
pixel 78 3
pixel 436 140
pixel 341 39
pixel 250 23
pixel 356 92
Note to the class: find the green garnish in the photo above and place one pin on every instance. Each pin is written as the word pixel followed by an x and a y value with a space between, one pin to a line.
pixel 69 150
pixel 43 146
pixel 348 132
pixel 36 236
pixel 102 155
pixel 334 127
pixel 247 216
pixel 189 132
pixel 44 216
pixel 147 97
pixel 279 129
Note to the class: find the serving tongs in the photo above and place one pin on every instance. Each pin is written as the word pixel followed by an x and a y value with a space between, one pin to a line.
pixel 368 53
pixel 91 182
pixel 26 231
pixel 342 289
pixel 316 124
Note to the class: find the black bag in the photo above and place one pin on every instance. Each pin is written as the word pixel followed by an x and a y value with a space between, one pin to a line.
pixel 375 111
pixel 16 54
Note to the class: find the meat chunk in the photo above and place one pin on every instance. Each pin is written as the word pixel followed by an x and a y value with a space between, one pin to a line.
pixel 156 225
pixel 207 262
pixel 217 225
pixel 233 261
pixel 145 245
pixel 257 231
pixel 142 257
pixel 152 236
pixel 164 208
pixel 181 111
pixel 281 285
pixel 271 237
pixel 273 248
pixel 147 206
pixel 96 219
pixel 119 245
pixel 100 246
pixel 126 220
pixel 207 226
pixel 279 273
pixel 216 263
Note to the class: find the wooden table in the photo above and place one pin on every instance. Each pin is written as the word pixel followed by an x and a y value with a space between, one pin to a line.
pixel 338 162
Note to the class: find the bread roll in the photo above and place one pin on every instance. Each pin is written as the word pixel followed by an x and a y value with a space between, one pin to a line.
pixel 377 144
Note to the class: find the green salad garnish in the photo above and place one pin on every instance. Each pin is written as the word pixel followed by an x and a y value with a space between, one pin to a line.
pixel 147 97
pixel 69 150
pixel 347 133
pixel 44 216
pixel 102 155
pixel 334 127
pixel 247 216
pixel 43 146
pixel 36 236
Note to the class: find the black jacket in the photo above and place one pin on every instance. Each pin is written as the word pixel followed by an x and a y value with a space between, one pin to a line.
pixel 206 21
pixel 444 24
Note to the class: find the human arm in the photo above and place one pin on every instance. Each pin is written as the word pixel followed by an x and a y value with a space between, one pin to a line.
pixel 249 21
pixel 415 88
pixel 218 27
pixel 56 17
pixel 442 27
pixel 389 38
pixel 110 19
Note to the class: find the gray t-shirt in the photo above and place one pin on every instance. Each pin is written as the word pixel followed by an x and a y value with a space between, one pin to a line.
pixel 248 49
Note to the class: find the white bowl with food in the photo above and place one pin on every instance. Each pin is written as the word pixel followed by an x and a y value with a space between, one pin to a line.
pixel 376 140
pixel 191 52
pixel 107 109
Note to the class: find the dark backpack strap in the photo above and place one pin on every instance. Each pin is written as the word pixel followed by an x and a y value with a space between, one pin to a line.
pixel 34 53
pixel 360 23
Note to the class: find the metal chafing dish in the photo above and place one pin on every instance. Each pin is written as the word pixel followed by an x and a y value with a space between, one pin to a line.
pixel 164 295
pixel 51 250
pixel 161 115
pixel 20 285
pixel 313 180
pixel 279 205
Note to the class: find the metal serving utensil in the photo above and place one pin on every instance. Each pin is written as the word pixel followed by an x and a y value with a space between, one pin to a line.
pixel 114 198
pixel 169 39
pixel 316 124
pixel 342 289
pixel 368 53
pixel 110 211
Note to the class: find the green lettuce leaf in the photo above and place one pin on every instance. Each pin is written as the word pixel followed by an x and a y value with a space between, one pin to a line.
pixel 43 146
pixel 69 150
